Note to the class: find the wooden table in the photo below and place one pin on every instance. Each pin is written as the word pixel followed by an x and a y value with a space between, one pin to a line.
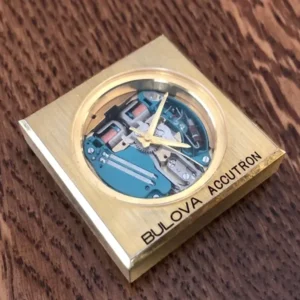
pixel 249 48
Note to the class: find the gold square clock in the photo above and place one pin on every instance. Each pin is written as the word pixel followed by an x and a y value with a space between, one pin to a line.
pixel 149 151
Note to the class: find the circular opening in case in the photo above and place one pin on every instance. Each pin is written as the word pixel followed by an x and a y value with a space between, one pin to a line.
pixel 149 136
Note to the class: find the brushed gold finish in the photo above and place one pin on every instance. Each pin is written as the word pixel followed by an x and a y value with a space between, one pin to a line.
pixel 119 222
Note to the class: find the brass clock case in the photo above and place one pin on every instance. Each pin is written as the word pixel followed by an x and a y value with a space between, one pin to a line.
pixel 137 233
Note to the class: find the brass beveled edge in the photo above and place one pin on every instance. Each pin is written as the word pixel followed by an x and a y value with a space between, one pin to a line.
pixel 278 154
pixel 83 203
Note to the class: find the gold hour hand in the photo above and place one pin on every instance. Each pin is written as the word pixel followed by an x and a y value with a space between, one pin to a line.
pixel 156 117
pixel 135 130
pixel 141 138
pixel 164 142
pixel 145 139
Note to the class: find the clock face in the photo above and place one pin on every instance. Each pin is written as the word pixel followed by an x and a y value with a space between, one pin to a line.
pixel 149 145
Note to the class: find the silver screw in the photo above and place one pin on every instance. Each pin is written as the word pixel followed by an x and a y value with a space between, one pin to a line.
pixel 171 163
pixel 205 159
pixel 91 150
pixel 186 176
pixel 105 154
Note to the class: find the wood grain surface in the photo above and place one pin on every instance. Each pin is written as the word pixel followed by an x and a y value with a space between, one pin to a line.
pixel 249 48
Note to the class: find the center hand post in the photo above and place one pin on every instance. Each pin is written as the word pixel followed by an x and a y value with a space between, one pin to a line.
pixel 148 138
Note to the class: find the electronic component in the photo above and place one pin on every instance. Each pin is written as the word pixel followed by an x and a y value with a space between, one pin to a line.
pixel 176 168
pixel 115 149
pixel 134 112
pixel 182 169
pixel 112 133
pixel 138 110
pixel 197 139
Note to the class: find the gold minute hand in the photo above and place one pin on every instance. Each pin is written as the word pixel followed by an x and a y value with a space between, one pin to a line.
pixel 135 130
pixel 156 117
pixel 186 156
pixel 141 139
pixel 164 142
pixel 158 140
